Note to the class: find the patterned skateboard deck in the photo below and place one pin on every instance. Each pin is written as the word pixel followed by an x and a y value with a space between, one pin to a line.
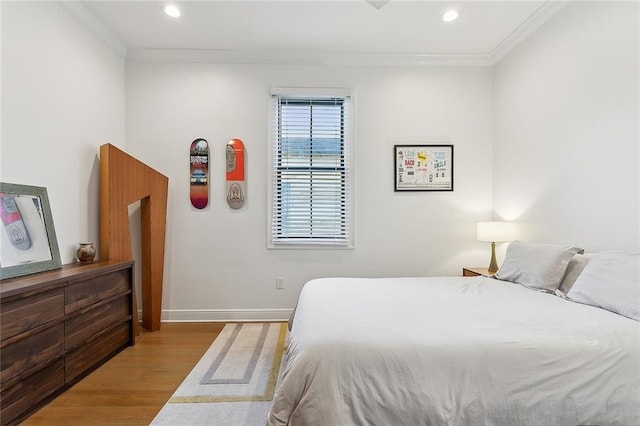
pixel 235 173
pixel 199 173
pixel 13 224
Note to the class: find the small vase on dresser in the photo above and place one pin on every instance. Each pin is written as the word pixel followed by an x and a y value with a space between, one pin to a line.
pixel 86 252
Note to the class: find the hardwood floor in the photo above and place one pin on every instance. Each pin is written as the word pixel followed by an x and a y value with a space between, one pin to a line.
pixel 132 387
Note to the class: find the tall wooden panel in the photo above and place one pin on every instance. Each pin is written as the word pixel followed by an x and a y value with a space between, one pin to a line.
pixel 123 181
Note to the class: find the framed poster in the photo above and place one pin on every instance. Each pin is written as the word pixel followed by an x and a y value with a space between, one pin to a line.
pixel 423 167
pixel 28 241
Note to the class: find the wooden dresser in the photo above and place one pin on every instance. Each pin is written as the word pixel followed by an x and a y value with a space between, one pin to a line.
pixel 58 326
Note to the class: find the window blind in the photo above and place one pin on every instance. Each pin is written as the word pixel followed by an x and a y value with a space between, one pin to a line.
pixel 311 170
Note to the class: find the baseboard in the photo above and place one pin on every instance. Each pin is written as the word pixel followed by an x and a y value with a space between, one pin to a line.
pixel 223 315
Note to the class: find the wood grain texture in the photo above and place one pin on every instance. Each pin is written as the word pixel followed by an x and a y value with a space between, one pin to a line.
pixel 22 314
pixel 52 350
pixel 123 181
pixel 84 327
pixel 132 387
pixel 87 292
pixel 29 392
pixel 88 356
pixel 29 353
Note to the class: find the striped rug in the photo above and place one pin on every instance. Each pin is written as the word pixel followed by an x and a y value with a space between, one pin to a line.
pixel 234 382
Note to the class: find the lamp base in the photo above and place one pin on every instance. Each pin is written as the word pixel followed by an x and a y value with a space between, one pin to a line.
pixel 493 266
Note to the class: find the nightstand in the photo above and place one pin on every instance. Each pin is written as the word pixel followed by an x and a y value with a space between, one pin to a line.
pixel 474 272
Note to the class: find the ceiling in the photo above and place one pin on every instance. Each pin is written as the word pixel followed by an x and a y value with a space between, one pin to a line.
pixel 316 30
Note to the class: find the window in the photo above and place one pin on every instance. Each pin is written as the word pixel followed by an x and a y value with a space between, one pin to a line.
pixel 311 182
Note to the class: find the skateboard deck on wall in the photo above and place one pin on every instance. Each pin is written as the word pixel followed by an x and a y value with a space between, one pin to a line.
pixel 199 173
pixel 235 173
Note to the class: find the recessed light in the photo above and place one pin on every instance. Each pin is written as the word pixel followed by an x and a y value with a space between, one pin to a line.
pixel 450 16
pixel 172 11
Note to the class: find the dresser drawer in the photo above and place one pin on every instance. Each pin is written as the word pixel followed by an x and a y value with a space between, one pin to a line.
pixel 25 313
pixel 23 396
pixel 32 351
pixel 92 322
pixel 84 293
pixel 93 354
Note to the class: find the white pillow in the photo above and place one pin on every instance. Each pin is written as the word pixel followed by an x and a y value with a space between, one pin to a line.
pixel 612 282
pixel 574 268
pixel 537 266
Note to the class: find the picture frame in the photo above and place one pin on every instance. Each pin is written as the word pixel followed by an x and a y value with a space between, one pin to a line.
pixel 28 242
pixel 423 167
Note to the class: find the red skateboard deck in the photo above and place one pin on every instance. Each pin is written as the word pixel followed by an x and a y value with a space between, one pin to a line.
pixel 199 173
pixel 235 173
pixel 13 224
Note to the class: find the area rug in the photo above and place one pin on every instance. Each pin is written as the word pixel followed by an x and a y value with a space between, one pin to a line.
pixel 234 382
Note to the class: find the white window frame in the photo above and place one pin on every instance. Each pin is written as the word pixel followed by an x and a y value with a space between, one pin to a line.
pixel 348 241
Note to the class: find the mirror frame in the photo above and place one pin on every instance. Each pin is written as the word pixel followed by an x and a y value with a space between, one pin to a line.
pixel 34 266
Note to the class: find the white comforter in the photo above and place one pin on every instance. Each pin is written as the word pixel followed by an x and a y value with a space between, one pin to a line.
pixel 455 351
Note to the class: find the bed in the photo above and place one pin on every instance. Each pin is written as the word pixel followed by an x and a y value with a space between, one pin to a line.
pixel 469 350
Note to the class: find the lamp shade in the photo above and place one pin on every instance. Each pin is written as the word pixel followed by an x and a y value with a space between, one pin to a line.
pixel 494 232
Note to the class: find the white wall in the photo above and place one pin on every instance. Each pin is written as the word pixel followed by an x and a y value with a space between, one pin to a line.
pixel 566 160
pixel 62 97
pixel 217 263
pixel 562 108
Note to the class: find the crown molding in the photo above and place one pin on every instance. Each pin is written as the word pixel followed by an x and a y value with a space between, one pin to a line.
pixel 278 57
pixel 94 26
pixel 281 57
pixel 540 17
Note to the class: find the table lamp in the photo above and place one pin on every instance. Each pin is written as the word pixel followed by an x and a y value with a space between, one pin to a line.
pixel 494 232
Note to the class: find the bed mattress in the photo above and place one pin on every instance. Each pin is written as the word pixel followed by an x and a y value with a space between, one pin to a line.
pixel 454 351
